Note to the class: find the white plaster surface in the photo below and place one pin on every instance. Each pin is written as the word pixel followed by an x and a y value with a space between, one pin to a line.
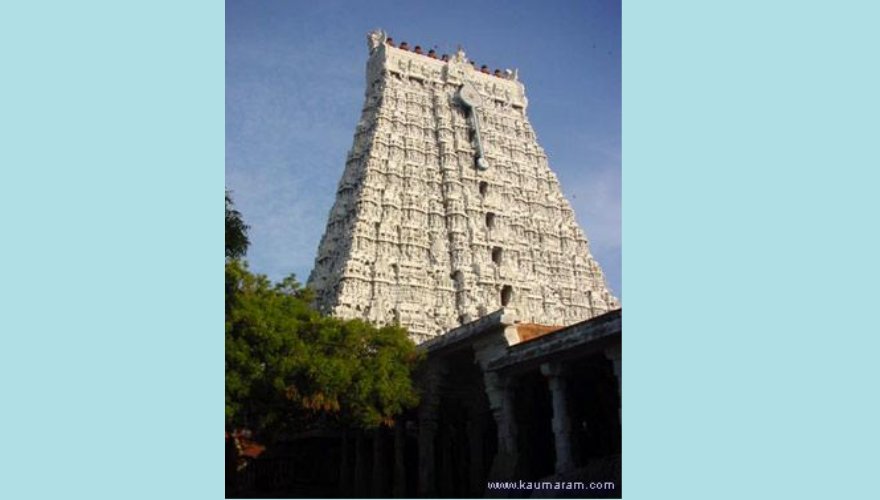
pixel 407 239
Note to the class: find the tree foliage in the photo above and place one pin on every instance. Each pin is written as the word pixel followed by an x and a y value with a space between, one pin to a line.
pixel 236 231
pixel 289 367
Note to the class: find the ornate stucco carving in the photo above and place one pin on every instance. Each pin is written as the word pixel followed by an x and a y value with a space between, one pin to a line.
pixel 421 236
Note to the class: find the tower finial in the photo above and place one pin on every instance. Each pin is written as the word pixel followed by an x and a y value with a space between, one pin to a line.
pixel 460 56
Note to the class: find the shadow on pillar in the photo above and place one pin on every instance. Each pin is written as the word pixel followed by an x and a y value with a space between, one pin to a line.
pixel 378 463
pixel 534 417
pixel 594 402
pixel 457 433
pixel 346 469
pixel 380 483
pixel 398 483
pixel 362 450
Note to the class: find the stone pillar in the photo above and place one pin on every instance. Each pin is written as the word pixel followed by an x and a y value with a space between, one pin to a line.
pixel 501 402
pixel 399 485
pixel 231 465
pixel 613 355
pixel 501 397
pixel 446 486
pixel 428 422
pixel 380 471
pixel 427 479
pixel 345 466
pixel 561 420
pixel 361 476
pixel 475 430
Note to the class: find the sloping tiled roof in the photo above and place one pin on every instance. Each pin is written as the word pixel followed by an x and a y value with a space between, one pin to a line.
pixel 529 331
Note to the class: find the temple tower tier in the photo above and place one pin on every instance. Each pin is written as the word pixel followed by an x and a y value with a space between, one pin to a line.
pixel 447 208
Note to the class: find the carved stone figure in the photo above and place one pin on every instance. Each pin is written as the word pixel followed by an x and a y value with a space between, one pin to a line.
pixel 376 39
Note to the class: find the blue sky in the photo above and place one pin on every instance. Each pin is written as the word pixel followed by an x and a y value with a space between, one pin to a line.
pixel 295 88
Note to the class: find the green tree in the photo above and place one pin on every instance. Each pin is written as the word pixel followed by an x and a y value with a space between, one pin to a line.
pixel 288 367
pixel 236 231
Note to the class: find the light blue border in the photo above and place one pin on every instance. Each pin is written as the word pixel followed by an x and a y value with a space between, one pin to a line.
pixel 750 134
pixel 112 156
pixel 750 186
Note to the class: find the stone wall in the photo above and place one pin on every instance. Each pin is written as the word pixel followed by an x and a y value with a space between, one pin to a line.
pixel 421 236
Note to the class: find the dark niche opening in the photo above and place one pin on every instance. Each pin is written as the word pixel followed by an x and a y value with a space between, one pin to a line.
pixel 496 255
pixel 457 277
pixel 490 220
pixel 506 295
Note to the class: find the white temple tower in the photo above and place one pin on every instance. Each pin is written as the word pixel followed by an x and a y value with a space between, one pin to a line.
pixel 447 209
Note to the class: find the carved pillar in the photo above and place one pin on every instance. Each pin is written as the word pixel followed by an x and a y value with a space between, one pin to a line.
pixel 501 402
pixel 380 474
pixel 399 485
pixel 501 398
pixel 561 420
pixel 613 355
